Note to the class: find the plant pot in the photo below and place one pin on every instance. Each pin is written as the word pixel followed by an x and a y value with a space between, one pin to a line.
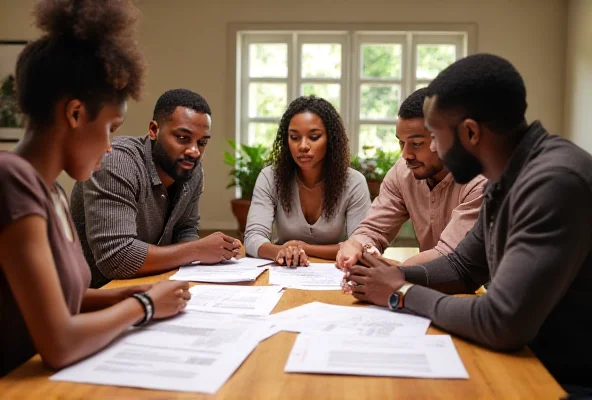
pixel 374 188
pixel 240 209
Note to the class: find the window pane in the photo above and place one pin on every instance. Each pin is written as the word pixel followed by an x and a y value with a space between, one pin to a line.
pixel 381 61
pixel 268 60
pixel 379 101
pixel 262 133
pixel 267 99
pixel 433 58
pixel 421 85
pixel 378 137
pixel 321 60
pixel 328 91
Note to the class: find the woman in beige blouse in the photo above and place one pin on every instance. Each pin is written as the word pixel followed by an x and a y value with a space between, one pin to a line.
pixel 308 196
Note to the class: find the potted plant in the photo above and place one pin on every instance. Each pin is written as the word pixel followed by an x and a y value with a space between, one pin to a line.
pixel 374 165
pixel 246 163
pixel 11 120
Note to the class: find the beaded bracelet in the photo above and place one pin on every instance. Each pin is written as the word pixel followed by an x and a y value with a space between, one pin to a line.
pixel 147 305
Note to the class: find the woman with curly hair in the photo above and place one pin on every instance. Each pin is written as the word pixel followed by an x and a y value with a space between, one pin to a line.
pixel 308 194
pixel 72 85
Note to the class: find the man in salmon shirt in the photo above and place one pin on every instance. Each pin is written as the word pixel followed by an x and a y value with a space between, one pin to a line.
pixel 420 188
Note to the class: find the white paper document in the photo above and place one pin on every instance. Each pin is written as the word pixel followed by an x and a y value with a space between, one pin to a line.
pixel 181 354
pixel 317 276
pixel 244 269
pixel 248 300
pixel 265 327
pixel 364 321
pixel 429 356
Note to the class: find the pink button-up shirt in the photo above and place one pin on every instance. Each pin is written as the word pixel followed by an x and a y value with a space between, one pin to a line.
pixel 441 217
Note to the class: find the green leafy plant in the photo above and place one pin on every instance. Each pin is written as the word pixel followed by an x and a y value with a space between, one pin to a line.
pixel 246 162
pixel 10 117
pixel 375 163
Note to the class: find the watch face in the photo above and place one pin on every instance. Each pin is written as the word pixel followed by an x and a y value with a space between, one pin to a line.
pixel 394 301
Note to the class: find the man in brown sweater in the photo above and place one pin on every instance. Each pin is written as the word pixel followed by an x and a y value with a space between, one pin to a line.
pixel 533 237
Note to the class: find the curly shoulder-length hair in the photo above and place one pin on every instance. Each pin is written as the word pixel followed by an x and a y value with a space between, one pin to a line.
pixel 335 163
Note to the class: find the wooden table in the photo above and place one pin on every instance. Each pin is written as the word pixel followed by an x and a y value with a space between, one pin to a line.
pixel 492 375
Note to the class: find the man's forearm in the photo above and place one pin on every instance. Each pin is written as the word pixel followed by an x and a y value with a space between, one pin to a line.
pixel 422 257
pixel 365 237
pixel 437 274
pixel 164 258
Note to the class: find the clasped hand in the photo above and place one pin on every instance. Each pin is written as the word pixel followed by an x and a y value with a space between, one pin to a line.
pixel 373 280
pixel 292 254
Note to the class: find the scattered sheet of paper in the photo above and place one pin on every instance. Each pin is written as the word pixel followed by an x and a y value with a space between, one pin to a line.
pixel 245 262
pixel 244 269
pixel 181 354
pixel 365 321
pixel 317 276
pixel 429 356
pixel 249 300
pixel 265 327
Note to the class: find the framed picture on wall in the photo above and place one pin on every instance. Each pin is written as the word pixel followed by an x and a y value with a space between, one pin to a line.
pixel 11 120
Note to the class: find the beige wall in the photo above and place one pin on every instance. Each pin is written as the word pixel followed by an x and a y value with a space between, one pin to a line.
pixel 185 42
pixel 578 85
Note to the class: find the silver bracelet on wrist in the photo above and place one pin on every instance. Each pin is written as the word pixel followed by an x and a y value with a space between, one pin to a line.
pixel 147 305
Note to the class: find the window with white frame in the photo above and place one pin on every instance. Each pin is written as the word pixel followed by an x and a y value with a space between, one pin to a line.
pixel 364 74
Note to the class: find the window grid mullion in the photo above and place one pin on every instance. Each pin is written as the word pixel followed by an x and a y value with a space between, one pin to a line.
pixel 410 67
pixel 381 81
pixel 267 80
pixel 244 96
pixel 382 121
pixel 319 80
pixel 263 120
pixel 294 67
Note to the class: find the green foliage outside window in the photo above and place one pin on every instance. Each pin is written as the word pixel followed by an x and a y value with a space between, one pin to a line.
pixel 10 117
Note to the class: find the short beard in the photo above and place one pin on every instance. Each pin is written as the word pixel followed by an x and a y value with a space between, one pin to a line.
pixel 463 165
pixel 430 173
pixel 170 167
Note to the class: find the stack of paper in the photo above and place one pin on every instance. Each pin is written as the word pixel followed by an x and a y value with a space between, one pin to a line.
pixel 245 300
pixel 430 356
pixel 365 321
pixel 244 269
pixel 186 353
pixel 316 276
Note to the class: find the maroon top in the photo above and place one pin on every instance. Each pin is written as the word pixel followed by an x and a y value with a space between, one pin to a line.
pixel 24 193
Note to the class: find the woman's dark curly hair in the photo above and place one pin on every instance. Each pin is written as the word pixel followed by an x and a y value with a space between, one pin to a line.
pixel 335 163
pixel 88 52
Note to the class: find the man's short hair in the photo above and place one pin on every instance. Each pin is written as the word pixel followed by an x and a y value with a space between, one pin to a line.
pixel 171 99
pixel 412 107
pixel 483 87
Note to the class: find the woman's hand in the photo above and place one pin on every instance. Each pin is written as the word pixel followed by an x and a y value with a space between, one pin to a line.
pixel 292 254
pixel 169 298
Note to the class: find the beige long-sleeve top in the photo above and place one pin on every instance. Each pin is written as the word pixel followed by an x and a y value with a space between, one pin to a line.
pixel 441 217
pixel 268 222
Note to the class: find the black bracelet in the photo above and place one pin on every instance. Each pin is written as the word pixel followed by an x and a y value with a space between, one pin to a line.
pixel 147 305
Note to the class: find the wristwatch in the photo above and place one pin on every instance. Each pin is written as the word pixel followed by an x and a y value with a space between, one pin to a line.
pixel 396 300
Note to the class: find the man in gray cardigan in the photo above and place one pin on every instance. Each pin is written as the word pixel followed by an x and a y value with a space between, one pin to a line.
pixel 139 213
pixel 533 237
